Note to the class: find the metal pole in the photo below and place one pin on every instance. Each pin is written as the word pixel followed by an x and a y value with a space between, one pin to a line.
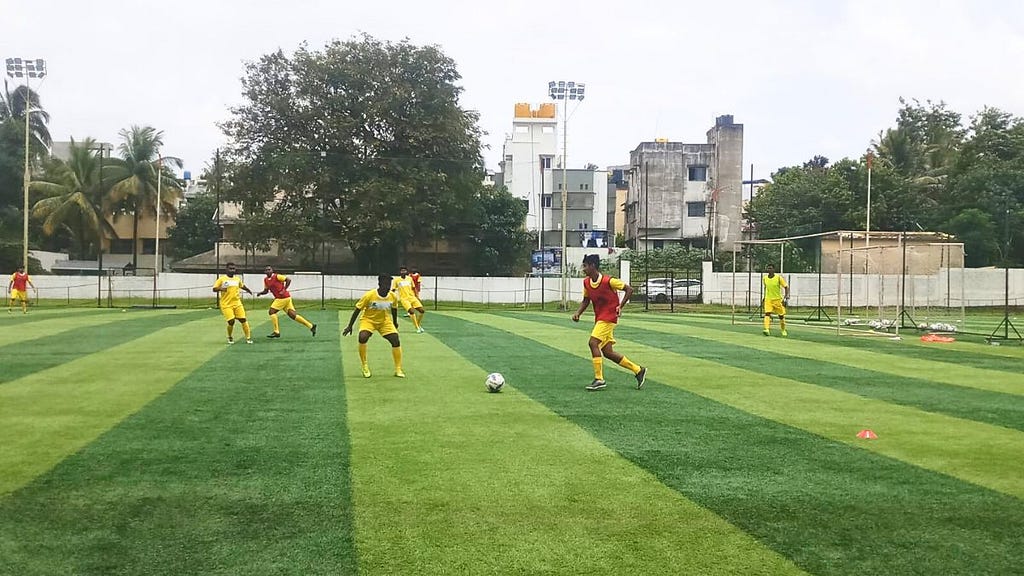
pixel 867 239
pixel 565 196
pixel 216 184
pixel 99 245
pixel 647 236
pixel 26 177
pixel 156 248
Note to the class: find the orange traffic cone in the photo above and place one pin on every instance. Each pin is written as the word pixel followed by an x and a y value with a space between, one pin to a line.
pixel 867 435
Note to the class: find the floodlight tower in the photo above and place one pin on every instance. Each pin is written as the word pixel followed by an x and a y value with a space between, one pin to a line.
pixel 565 91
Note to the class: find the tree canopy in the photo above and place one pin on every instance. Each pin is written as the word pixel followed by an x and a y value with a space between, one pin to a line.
pixel 930 172
pixel 363 141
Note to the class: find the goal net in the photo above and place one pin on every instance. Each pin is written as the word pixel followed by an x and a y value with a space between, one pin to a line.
pixel 900 283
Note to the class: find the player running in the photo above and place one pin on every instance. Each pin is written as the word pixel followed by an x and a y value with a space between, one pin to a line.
pixel 404 288
pixel 773 299
pixel 380 313
pixel 603 291
pixel 229 287
pixel 18 288
pixel 278 284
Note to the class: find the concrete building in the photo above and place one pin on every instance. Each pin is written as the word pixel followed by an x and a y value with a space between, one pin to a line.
pixel 618 190
pixel 586 210
pixel 687 193
pixel 530 149
pixel 531 170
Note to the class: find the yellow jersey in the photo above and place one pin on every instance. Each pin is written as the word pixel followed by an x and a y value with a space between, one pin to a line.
pixel 404 287
pixel 232 294
pixel 377 308
pixel 773 287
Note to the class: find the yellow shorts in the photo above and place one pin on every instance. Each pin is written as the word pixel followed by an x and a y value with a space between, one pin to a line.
pixel 233 312
pixel 284 304
pixel 774 306
pixel 383 328
pixel 19 295
pixel 603 331
pixel 410 303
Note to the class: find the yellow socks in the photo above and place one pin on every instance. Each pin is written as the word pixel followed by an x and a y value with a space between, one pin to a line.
pixel 275 322
pixel 362 354
pixel 598 368
pixel 767 323
pixel 415 320
pixel 625 363
pixel 396 353
pixel 299 319
pixel 782 323
pixel 247 330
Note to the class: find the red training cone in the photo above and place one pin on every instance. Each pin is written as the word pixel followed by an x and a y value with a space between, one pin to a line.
pixel 867 435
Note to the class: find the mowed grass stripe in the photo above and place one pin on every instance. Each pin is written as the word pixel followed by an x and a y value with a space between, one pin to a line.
pixel 83 337
pixel 13 333
pixel 450 479
pixel 976 452
pixel 832 508
pixel 49 415
pixel 971 404
pixel 968 354
pixel 857 354
pixel 241 468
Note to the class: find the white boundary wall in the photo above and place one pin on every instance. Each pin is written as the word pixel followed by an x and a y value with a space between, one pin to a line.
pixel 981 287
pixel 949 287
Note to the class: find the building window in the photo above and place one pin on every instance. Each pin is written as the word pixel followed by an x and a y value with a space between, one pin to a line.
pixel 696 209
pixel 548 129
pixel 559 185
pixel 148 246
pixel 545 162
pixel 659 244
pixel 520 129
pixel 697 173
pixel 546 201
pixel 581 187
pixel 120 246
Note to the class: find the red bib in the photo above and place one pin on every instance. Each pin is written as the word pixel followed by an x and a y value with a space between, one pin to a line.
pixel 276 287
pixel 605 299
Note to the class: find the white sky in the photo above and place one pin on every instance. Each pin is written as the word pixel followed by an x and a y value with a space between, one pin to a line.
pixel 805 77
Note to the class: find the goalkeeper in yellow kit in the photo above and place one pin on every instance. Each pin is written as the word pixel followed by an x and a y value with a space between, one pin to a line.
pixel 774 302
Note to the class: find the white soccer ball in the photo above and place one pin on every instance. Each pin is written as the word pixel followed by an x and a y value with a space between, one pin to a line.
pixel 494 382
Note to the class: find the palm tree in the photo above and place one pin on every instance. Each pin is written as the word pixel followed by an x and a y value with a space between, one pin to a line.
pixel 138 167
pixel 13 107
pixel 75 198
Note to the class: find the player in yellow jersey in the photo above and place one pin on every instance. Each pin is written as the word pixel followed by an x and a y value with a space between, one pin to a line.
pixel 379 308
pixel 774 299
pixel 18 287
pixel 405 288
pixel 229 288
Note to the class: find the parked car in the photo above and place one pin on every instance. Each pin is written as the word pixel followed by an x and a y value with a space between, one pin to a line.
pixel 662 290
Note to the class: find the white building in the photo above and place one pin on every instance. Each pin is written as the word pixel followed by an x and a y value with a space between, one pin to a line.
pixel 531 170
pixel 529 149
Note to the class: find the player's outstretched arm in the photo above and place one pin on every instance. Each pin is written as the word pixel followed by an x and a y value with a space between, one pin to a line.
pixel 351 321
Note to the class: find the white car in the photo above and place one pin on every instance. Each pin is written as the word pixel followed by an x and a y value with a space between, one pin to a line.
pixel 662 290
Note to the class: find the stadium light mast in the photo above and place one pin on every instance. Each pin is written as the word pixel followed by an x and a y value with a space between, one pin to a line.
pixel 565 90
pixel 25 68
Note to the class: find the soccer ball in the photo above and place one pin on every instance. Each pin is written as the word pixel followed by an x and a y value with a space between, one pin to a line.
pixel 494 382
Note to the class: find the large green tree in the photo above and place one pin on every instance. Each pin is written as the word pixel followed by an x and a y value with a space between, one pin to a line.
pixel 14 106
pixel 136 173
pixel 499 244
pixel 367 134
pixel 74 199
pixel 195 230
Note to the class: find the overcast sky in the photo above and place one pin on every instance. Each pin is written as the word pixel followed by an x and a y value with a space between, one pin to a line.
pixel 804 77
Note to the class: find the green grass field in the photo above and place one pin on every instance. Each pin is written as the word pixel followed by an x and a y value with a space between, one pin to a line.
pixel 139 443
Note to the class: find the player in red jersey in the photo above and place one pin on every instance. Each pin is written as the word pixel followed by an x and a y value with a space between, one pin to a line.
pixel 603 291
pixel 18 287
pixel 278 284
